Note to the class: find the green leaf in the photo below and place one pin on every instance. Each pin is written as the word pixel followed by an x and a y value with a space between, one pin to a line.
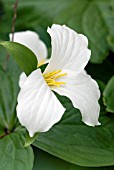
pixel 109 95
pixel 54 163
pixel 45 161
pixel 8 96
pixel 13 155
pixel 30 140
pixel 24 57
pixel 77 143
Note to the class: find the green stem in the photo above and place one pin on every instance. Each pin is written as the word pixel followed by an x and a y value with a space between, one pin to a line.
pixel 12 30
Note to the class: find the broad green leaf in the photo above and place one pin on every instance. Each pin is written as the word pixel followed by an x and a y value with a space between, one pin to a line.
pixel 45 161
pixel 24 57
pixel 8 93
pixel 13 154
pixel 8 98
pixel 109 95
pixel 77 143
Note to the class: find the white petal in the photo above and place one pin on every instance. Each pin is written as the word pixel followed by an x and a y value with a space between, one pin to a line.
pixel 69 49
pixel 31 40
pixel 22 79
pixel 84 93
pixel 38 108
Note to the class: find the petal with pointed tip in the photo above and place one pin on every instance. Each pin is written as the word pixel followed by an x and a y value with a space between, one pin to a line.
pixel 69 49
pixel 84 93
pixel 38 108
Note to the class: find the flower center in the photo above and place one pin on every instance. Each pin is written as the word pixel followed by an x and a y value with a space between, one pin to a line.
pixel 51 78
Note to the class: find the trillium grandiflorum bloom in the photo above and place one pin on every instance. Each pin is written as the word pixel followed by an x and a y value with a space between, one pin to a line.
pixel 38 108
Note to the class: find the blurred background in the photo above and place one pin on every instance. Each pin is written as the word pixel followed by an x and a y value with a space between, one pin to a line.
pixel 93 18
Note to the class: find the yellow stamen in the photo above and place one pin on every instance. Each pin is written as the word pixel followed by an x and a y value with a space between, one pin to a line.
pixel 51 77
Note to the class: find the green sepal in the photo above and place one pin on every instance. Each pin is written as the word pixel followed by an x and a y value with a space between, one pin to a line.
pixel 30 140
pixel 43 67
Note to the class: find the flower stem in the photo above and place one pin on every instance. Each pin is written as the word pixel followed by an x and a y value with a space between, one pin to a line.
pixel 14 19
pixel 12 31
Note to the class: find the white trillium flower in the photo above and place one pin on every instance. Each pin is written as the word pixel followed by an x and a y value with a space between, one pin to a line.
pixel 38 108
